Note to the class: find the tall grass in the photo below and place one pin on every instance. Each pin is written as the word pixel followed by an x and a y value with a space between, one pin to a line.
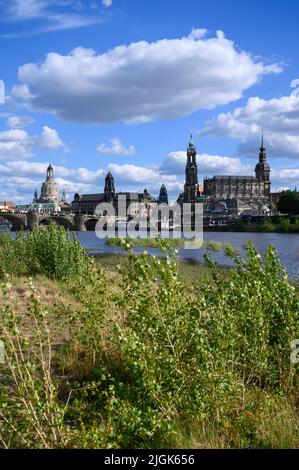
pixel 154 362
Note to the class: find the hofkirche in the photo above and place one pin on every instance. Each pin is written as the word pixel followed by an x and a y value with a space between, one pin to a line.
pixel 227 186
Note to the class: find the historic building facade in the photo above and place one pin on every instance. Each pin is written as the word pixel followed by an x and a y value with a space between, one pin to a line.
pixel 252 187
pixel 87 203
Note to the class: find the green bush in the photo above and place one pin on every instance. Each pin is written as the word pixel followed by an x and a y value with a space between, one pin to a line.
pixel 284 225
pixel 267 226
pixel 50 251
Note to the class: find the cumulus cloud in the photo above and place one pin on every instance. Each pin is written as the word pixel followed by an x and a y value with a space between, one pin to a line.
pixel 50 139
pixel 19 122
pixel 116 147
pixel 137 178
pixel 141 81
pixel 279 117
pixel 16 144
pixel 38 170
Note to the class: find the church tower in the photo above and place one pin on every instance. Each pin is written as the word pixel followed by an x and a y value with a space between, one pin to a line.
pixel 262 171
pixel 163 196
pixel 191 182
pixel 109 189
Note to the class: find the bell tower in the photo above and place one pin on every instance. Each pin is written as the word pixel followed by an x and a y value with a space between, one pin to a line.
pixel 262 171
pixel 191 181
pixel 163 195
pixel 109 189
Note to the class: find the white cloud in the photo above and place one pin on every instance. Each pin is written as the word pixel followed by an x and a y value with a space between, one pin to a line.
pixel 21 91
pixel 116 147
pixel 50 139
pixel 278 116
pixel 107 3
pixel 137 178
pixel 19 122
pixel 142 81
pixel 16 144
pixel 38 170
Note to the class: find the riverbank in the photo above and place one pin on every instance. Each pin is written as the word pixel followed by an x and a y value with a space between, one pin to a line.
pixel 273 224
pixel 137 351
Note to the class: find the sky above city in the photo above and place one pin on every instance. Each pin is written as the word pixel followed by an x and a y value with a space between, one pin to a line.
pixel 119 85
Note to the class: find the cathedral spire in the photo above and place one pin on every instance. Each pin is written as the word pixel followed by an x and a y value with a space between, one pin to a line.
pixel 191 142
pixel 262 143
pixel 262 154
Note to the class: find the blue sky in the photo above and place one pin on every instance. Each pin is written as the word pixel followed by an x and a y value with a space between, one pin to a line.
pixel 119 85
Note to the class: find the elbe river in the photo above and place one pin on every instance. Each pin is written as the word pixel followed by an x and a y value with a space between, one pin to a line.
pixel 287 246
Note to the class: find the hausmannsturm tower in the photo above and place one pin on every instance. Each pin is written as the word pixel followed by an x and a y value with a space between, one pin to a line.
pixel 191 183
pixel 262 171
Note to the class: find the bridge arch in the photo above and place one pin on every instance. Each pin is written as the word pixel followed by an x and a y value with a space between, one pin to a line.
pixel 18 222
pixel 90 224
pixel 59 220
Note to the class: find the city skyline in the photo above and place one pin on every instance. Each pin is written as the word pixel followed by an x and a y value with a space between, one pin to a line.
pixel 96 87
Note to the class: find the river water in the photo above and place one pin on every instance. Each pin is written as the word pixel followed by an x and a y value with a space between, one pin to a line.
pixel 287 246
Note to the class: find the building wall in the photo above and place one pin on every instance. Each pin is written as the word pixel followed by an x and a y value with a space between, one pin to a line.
pixel 233 187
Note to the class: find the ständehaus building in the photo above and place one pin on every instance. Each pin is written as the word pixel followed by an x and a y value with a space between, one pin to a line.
pixel 243 187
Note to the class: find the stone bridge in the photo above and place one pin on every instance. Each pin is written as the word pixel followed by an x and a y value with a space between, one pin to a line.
pixel 28 221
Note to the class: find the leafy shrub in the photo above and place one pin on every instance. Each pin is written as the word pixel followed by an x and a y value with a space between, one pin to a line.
pixel 267 226
pixel 284 225
pixel 48 251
